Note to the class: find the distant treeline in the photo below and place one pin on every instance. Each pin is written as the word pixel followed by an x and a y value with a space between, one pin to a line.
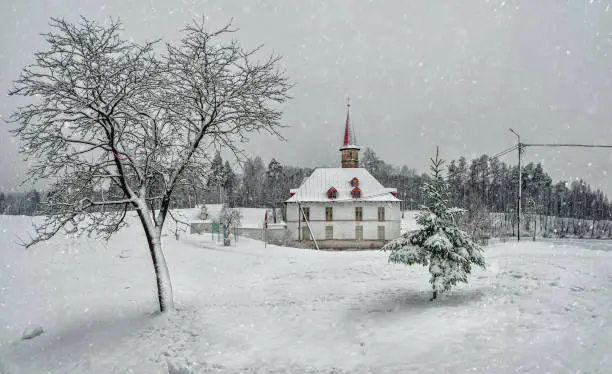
pixel 20 203
pixel 483 185
pixel 490 185
pixel 504 224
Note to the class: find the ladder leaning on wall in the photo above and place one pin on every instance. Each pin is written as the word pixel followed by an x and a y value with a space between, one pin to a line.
pixel 307 225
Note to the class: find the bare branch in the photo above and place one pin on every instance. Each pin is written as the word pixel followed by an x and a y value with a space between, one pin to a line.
pixel 120 127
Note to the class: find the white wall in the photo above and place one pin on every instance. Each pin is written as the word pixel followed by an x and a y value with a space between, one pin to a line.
pixel 344 219
pixel 277 233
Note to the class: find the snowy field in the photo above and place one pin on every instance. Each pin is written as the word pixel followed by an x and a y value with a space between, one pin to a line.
pixel 538 308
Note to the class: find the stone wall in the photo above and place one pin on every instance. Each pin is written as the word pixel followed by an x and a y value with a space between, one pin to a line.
pixel 345 245
pixel 277 233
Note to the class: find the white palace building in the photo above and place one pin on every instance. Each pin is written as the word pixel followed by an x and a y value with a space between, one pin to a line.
pixel 345 207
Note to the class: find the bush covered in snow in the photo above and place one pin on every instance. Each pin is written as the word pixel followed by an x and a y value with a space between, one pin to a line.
pixel 31 332
pixel 439 243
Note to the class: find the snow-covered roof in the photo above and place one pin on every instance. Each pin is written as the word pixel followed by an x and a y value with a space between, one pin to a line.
pixel 214 210
pixel 350 146
pixel 315 187
pixel 252 217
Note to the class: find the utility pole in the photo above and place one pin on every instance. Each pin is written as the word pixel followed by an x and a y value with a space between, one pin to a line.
pixel 299 215
pixel 518 231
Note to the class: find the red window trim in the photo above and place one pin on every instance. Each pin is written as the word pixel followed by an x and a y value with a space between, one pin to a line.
pixel 332 193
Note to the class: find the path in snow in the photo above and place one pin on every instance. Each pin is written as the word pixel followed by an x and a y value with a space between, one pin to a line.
pixel 537 308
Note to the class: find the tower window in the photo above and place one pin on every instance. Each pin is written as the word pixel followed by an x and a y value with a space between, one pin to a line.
pixel 356 193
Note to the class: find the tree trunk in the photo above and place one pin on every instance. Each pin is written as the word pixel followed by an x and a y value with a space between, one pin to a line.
pixel 435 295
pixel 162 275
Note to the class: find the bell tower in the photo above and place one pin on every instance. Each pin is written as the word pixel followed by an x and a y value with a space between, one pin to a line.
pixel 350 149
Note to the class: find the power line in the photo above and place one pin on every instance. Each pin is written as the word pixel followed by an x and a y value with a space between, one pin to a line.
pixel 568 145
pixel 520 147
pixel 495 156
pixel 505 152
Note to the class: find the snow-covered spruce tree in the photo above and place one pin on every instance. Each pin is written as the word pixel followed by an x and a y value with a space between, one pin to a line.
pixel 439 243
pixel 107 114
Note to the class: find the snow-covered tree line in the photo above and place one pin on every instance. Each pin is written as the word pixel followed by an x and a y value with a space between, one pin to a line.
pixel 114 125
pixel 488 184
pixel 482 186
pixel 21 203
pixel 485 187
pixel 254 184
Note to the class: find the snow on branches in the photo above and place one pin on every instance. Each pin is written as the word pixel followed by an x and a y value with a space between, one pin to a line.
pixel 119 126
pixel 439 243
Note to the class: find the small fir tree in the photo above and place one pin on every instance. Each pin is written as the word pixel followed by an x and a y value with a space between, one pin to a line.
pixel 440 243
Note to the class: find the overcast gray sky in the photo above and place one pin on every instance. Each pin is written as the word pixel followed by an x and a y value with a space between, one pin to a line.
pixel 420 73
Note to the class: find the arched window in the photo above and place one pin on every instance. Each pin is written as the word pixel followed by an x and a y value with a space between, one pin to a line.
pixel 332 193
pixel 354 182
pixel 356 193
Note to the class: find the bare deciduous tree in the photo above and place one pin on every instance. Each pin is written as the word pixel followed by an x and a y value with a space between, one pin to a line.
pixel 112 115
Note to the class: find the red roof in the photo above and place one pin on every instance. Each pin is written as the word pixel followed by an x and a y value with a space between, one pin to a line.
pixel 349 136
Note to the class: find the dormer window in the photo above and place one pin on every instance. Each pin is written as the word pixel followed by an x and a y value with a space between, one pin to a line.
pixel 354 182
pixel 356 193
pixel 332 193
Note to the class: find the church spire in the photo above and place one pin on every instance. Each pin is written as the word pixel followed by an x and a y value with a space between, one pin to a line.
pixel 349 149
pixel 349 135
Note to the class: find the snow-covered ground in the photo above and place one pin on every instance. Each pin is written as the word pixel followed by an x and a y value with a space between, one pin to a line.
pixel 539 307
